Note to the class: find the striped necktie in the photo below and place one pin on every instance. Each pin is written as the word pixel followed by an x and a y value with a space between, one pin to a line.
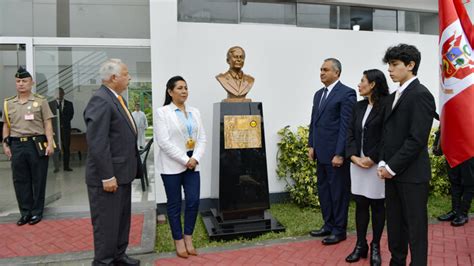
pixel 122 102
pixel 323 98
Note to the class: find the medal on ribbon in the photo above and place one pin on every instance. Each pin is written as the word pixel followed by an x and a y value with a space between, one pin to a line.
pixel 190 143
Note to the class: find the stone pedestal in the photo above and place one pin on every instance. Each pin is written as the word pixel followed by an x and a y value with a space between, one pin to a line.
pixel 239 166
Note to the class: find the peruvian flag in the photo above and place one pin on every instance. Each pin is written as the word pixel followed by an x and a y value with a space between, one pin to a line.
pixel 456 97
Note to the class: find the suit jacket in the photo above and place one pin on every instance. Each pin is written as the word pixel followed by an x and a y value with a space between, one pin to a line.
pixel 231 85
pixel 328 127
pixel 405 134
pixel 372 131
pixel 171 140
pixel 67 113
pixel 111 141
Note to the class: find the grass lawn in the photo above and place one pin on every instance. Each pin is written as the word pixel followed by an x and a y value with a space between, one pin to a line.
pixel 149 132
pixel 298 222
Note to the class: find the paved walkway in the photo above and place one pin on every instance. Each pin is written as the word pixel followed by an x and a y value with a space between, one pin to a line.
pixel 447 246
pixel 66 239
pixel 55 237
pixel 67 236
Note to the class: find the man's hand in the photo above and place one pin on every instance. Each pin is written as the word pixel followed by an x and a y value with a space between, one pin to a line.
pixel 337 161
pixel 383 173
pixel 311 154
pixel 49 150
pixel 111 185
pixel 191 164
pixel 7 151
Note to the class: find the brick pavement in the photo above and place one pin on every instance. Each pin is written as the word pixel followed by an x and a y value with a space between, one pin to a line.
pixel 447 246
pixel 56 236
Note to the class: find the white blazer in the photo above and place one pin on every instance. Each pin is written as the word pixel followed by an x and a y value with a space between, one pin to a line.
pixel 171 140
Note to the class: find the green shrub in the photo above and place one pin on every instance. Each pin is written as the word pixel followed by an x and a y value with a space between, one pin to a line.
pixel 439 183
pixel 295 168
pixel 299 172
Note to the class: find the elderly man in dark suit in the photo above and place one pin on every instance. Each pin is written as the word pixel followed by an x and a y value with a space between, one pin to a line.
pixel 332 108
pixel 404 161
pixel 113 162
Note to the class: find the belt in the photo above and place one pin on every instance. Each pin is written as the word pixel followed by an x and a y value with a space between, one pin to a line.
pixel 22 139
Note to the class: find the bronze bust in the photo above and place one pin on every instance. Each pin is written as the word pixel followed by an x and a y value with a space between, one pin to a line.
pixel 234 81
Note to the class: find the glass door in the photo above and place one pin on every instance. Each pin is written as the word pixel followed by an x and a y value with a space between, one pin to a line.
pixel 13 53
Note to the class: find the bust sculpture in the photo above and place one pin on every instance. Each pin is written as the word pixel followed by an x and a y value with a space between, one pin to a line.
pixel 234 81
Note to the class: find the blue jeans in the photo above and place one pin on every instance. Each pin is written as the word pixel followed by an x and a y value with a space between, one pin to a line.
pixel 190 181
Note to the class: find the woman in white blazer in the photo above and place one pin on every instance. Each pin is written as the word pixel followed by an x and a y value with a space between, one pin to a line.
pixel 181 141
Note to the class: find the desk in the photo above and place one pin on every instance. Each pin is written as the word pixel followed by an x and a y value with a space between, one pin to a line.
pixel 78 143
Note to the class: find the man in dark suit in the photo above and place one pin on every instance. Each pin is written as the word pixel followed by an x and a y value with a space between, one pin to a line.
pixel 332 108
pixel 113 162
pixel 64 111
pixel 404 161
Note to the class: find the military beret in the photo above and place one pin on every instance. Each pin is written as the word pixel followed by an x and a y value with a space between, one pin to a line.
pixel 21 73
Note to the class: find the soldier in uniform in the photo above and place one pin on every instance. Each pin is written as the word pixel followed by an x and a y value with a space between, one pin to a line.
pixel 27 118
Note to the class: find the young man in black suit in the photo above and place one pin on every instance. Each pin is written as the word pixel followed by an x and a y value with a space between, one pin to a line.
pixel 405 164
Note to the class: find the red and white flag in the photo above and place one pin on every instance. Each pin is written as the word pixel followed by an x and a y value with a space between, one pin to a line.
pixel 456 97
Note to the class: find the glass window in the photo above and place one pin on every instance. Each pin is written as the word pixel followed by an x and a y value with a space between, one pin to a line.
pixel 344 18
pixel 220 11
pixel 16 18
pixel 408 21
pixel 11 56
pixel 76 70
pixel 385 20
pixel 268 12
pixel 361 18
pixel 75 18
pixel 316 16
pixel 429 23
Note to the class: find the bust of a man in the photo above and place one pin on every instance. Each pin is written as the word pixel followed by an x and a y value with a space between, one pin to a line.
pixel 234 81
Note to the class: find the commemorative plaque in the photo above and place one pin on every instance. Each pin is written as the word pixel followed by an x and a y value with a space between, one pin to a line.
pixel 242 131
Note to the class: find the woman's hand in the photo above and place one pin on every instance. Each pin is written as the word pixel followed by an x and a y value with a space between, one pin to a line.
pixel 191 164
pixel 358 161
pixel 367 162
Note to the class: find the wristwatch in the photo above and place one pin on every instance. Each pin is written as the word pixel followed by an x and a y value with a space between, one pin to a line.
pixel 6 140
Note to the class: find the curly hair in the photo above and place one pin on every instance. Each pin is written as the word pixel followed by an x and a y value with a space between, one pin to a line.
pixel 405 53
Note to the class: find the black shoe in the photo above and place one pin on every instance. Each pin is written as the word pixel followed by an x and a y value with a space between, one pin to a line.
pixel 56 170
pixel 98 263
pixel 333 239
pixel 68 169
pixel 320 232
pixel 375 258
pixel 360 251
pixel 126 260
pixel 447 216
pixel 460 220
pixel 35 219
pixel 23 220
